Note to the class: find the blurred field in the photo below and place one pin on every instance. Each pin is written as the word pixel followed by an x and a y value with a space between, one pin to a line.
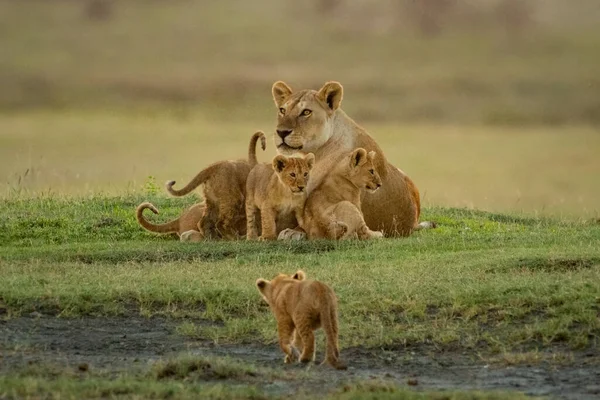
pixel 536 170
pixel 492 104
pixel 492 61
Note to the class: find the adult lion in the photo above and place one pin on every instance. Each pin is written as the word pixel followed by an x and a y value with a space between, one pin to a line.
pixel 312 121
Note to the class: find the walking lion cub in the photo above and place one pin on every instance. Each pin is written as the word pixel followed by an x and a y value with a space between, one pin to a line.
pixel 301 307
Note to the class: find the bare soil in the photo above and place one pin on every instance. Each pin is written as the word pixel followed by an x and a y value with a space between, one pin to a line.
pixel 130 343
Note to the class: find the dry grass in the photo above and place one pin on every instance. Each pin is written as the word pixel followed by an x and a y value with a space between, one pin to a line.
pixel 541 170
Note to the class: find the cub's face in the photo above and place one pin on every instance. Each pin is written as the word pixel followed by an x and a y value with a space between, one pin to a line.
pixel 294 172
pixel 362 170
pixel 303 118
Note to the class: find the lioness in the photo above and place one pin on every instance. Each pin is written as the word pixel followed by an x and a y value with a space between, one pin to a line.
pixel 333 209
pixel 312 121
pixel 278 191
pixel 300 307
pixel 187 222
pixel 224 193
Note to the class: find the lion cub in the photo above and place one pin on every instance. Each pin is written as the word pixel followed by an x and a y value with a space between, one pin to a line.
pixel 224 193
pixel 186 223
pixel 333 209
pixel 300 307
pixel 278 191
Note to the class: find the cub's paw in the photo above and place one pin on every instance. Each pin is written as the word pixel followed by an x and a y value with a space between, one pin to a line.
pixel 191 236
pixel 291 358
pixel 291 234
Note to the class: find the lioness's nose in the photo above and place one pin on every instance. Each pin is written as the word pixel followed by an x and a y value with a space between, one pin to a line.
pixel 379 185
pixel 283 133
pixel 300 188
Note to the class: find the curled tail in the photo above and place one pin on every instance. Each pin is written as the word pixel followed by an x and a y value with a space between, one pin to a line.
pixel 198 180
pixel 168 227
pixel 329 323
pixel 252 147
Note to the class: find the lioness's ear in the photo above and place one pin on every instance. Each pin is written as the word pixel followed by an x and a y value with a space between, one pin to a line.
pixel 299 275
pixel 261 284
pixel 359 157
pixel 310 160
pixel 371 155
pixel 281 91
pixel 279 162
pixel 331 93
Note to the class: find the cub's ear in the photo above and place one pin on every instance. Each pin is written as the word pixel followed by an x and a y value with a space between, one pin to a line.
pixel 358 157
pixel 310 160
pixel 371 155
pixel 279 162
pixel 299 275
pixel 281 91
pixel 331 93
pixel 261 284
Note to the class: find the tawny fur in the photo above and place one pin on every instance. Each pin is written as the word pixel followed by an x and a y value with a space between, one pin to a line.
pixel 187 222
pixel 301 307
pixel 312 121
pixel 278 193
pixel 333 209
pixel 224 194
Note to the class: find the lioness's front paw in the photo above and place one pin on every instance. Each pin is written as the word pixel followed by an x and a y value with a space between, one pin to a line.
pixel 376 234
pixel 291 234
pixel 191 236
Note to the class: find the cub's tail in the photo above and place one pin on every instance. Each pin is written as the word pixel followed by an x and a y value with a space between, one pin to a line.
pixel 252 147
pixel 168 227
pixel 198 180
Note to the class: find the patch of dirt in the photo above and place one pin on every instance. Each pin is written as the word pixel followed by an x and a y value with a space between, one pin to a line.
pixel 119 344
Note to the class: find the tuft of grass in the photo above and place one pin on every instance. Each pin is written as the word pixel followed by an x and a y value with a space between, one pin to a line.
pixel 206 369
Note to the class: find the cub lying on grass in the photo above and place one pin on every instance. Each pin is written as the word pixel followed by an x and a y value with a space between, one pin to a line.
pixel 187 222
pixel 333 209
pixel 278 191
pixel 224 193
pixel 300 307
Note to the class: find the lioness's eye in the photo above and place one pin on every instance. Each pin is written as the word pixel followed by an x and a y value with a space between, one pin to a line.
pixel 282 111
pixel 306 112
pixel 293 175
pixel 372 172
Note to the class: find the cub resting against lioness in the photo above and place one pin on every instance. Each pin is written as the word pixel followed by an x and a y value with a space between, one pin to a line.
pixel 333 209
pixel 224 193
pixel 300 307
pixel 311 121
pixel 278 191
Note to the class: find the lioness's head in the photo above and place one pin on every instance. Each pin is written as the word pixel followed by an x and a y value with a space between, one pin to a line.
pixel 361 170
pixel 266 287
pixel 294 172
pixel 304 118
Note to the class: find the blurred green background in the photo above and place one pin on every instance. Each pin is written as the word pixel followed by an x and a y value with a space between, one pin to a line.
pixel 492 104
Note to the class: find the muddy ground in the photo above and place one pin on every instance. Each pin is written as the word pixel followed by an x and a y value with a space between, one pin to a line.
pixel 126 344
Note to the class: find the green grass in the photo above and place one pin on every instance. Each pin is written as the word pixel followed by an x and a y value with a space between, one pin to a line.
pixel 200 377
pixel 481 281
